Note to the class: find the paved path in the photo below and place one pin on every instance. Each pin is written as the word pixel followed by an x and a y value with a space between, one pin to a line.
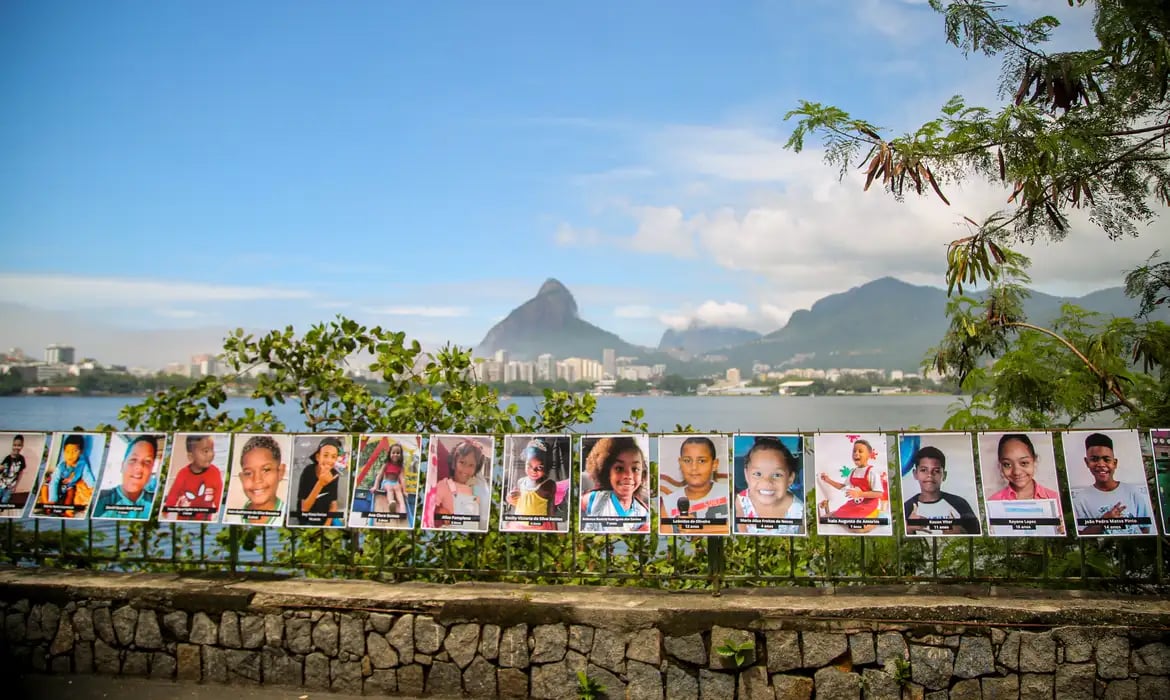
pixel 94 687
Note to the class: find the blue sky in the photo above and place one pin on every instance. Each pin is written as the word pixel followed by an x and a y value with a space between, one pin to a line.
pixel 425 166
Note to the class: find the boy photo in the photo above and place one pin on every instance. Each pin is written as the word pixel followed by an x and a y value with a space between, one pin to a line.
pixel 130 478
pixel 937 475
pixel 1107 480
pixel 693 497
pixel 194 490
pixel 23 454
pixel 259 480
pixel 385 487
pixel 70 477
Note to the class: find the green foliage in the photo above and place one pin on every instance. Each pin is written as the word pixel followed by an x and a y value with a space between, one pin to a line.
pixel 902 674
pixel 736 653
pixel 588 688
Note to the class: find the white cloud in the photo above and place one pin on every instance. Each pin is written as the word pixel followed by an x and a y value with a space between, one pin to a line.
pixel 424 311
pixel 569 236
pixel 727 313
pixel 179 313
pixel 77 291
pixel 662 229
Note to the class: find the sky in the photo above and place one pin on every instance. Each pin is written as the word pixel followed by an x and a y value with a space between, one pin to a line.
pixel 191 167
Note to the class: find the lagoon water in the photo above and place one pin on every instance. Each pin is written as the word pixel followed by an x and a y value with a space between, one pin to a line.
pixel 706 413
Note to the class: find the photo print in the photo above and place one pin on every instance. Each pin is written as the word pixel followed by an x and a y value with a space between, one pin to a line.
pixel 259 480
pixel 67 485
pixel 130 478
pixel 319 483
pixel 1160 449
pixel 693 494
pixel 852 484
pixel 1020 485
pixel 769 485
pixel 536 476
pixel 615 484
pixel 23 454
pixel 1107 481
pixel 939 495
pixel 459 483
pixel 194 486
pixel 385 486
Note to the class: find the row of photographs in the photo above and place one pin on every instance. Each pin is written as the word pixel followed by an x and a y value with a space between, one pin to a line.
pixel 373 482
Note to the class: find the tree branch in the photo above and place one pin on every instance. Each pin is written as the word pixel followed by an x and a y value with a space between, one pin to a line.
pixel 1101 376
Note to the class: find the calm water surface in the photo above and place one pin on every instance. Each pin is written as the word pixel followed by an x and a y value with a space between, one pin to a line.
pixel 713 413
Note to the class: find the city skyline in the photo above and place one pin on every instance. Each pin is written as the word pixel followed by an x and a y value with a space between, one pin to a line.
pixel 294 167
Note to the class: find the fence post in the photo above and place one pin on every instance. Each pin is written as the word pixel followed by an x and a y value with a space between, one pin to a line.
pixel 715 562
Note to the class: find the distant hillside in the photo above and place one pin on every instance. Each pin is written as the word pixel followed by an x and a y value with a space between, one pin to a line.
pixel 548 322
pixel 698 339
pixel 887 324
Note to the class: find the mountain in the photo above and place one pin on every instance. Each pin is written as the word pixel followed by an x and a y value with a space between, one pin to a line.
pixel 698 339
pixel 887 324
pixel 549 322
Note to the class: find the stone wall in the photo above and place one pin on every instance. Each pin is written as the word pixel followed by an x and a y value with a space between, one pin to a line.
pixel 488 641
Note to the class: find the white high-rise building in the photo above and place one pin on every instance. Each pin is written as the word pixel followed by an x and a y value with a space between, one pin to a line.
pixel 546 368
pixel 609 362
pixel 59 354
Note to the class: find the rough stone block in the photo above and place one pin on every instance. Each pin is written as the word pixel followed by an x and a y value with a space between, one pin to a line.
pixel 148 635
pixel 681 685
pixel 278 668
pixel 512 683
pixel 820 648
pixel 1036 686
pixel 214 665
pixel 614 686
pixel 175 625
pixel 298 635
pixel 253 631
pixel 83 624
pixel 1153 687
pixel 479 678
pixel 783 650
pixel 428 635
pixel 489 642
pixel 345 677
pixel 381 654
pixel 189 662
pixel 727 638
pixel 106 658
pixel 124 619
pixel 382 682
pixel 317 671
pixel 1152 659
pixel 609 650
pixel 162 665
pixel 554 682
pixel 891 645
pixel 410 680
pixel 103 624
pixel 1001 687
pixel 1037 652
pixel 59 664
pixel 381 623
pixel 1076 681
pixel 880 685
pixel 1076 642
pixel 837 684
pixel 689 648
pixel 1009 652
pixel 401 637
pixel 444 679
pixel 975 657
pixel 715 686
pixel 1113 657
pixel 967 690
pixel 646 646
pixel 325 636
pixel 62 637
pixel 1125 689
pixel 353 636
pixel 580 638
pixel 243 665
pixel 203 630
pixel 462 642
pixel 931 666
pixel 862 649
pixel 645 681
pixel 83 657
pixel 753 684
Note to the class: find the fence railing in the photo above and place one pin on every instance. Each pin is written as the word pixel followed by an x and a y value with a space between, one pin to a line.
pixel 630 560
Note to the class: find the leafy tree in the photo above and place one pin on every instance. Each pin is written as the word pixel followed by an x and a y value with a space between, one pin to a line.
pixel 1077 130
